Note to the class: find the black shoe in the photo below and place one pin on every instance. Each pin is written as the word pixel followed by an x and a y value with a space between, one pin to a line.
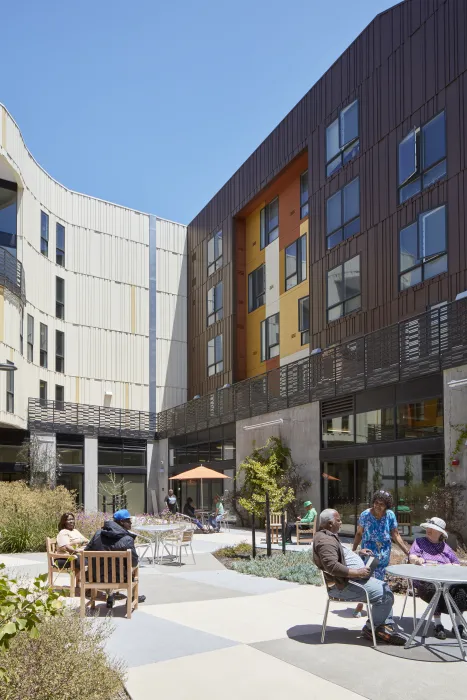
pixel 462 632
pixel 141 598
pixel 110 601
pixel 440 632
pixel 389 635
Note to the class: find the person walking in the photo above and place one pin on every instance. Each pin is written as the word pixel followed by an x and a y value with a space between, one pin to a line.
pixel 171 502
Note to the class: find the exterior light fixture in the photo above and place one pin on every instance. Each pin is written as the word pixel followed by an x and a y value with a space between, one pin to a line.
pixel 263 425
pixel 6 367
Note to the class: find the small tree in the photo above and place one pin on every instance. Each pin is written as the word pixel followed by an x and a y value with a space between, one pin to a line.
pixel 115 490
pixel 43 465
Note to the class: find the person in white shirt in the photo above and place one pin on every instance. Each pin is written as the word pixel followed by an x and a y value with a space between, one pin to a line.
pixel 69 540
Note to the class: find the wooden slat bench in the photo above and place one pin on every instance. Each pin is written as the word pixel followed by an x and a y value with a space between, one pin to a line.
pixel 306 533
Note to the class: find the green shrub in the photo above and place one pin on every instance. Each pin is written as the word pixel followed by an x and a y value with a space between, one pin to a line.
pixel 66 661
pixel 29 515
pixel 238 550
pixel 292 566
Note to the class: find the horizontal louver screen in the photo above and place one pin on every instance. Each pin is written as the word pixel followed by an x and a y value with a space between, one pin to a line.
pixel 342 406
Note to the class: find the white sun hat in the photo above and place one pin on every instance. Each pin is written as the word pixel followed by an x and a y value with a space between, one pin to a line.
pixel 435 524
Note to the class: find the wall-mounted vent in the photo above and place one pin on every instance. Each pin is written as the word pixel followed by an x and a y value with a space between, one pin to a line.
pixel 342 406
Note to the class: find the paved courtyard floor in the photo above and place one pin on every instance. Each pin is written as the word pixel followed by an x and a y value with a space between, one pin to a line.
pixel 206 630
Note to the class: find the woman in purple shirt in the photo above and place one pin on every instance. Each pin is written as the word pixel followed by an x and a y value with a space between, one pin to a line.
pixel 433 548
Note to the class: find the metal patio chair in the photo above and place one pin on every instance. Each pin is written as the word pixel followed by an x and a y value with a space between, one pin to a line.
pixel 346 602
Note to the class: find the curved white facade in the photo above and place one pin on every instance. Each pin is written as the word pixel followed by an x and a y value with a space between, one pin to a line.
pixel 107 310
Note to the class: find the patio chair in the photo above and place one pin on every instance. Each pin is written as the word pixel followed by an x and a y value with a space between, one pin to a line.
pixel 224 520
pixel 276 526
pixel 182 539
pixel 306 533
pixel 54 569
pixel 109 572
pixel 346 602
pixel 404 519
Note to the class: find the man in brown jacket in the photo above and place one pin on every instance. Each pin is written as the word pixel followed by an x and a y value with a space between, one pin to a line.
pixel 340 565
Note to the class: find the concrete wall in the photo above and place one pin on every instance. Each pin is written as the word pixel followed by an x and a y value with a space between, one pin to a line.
pixel 158 472
pixel 299 431
pixel 455 413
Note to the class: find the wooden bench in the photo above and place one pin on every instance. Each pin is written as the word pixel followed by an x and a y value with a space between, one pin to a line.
pixel 404 519
pixel 306 533
pixel 107 571
pixel 54 569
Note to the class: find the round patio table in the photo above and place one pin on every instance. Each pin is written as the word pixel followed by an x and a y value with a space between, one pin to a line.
pixel 156 533
pixel 442 577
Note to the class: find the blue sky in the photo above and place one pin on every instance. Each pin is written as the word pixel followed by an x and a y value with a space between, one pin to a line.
pixel 153 103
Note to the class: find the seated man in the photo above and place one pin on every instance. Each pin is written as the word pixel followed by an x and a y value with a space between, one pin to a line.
pixel 215 518
pixel 115 536
pixel 307 521
pixel 339 565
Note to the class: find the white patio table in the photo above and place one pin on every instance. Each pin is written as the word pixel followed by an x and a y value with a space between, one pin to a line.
pixel 156 533
pixel 442 577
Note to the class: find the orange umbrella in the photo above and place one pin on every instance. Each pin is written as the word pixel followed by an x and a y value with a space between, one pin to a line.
pixel 199 473
pixel 329 477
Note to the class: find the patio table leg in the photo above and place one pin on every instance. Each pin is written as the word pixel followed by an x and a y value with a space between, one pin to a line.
pixel 427 614
pixel 453 612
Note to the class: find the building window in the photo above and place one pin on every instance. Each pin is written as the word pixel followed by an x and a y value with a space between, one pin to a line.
pixel 295 263
pixel 422 157
pixel 59 351
pixel 45 234
pixel 423 248
pixel 343 214
pixel 60 246
pixel 304 319
pixel 215 356
pixel 376 425
pixel 269 223
pixel 43 391
pixel 257 288
pixel 338 431
pixel 10 389
pixel 30 338
pixel 59 394
pixel 270 338
pixel 59 297
pixel 215 252
pixel 304 194
pixel 215 310
pixel 421 419
pixel 43 332
pixel 342 143
pixel 344 295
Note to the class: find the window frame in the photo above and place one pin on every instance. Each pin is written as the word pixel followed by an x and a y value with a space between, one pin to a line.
pixel 218 364
pixel 343 224
pixel 268 235
pixel 346 299
pixel 422 262
pixel 43 345
pixel 59 358
pixel 304 332
pixel 217 313
pixel 253 296
pixel 265 349
pixel 59 252
pixel 216 262
pixel 346 147
pixel 44 234
pixel 59 304
pixel 10 389
pixel 60 403
pixel 43 391
pixel 304 205
pixel 30 338
pixel 420 171
pixel 298 243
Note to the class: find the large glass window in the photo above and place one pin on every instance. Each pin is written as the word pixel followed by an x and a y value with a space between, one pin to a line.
pixel 338 431
pixel 214 252
pixel 59 351
pixel 373 426
pixel 420 419
pixel 423 248
pixel 270 338
pixel 422 157
pixel 124 454
pixel 344 295
pixel 304 194
pixel 73 482
pixel 343 214
pixel 8 216
pixel 44 342
pixel 10 389
pixel 59 297
pixel 215 304
pixel 295 263
pixel 45 234
pixel 30 338
pixel 134 499
pixel 257 288
pixel 59 393
pixel 70 455
pixel 342 143
pixel 269 223
pixel 417 478
pixel 43 391
pixel 215 356
pixel 304 319
pixel 60 245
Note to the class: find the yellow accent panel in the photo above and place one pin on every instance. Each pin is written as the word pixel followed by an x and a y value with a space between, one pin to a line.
pixel 290 336
pixel 303 230
pixel 2 313
pixel 133 309
pixel 254 257
pixel 77 390
pixel 254 365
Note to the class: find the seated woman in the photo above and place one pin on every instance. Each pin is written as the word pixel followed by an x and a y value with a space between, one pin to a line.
pixel 189 510
pixel 433 548
pixel 69 540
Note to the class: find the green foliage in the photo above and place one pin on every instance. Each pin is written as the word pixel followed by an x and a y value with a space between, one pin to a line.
pixel 266 471
pixel 460 442
pixel 238 550
pixel 292 566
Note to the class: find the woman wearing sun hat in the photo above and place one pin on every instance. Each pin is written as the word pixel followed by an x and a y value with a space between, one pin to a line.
pixel 433 550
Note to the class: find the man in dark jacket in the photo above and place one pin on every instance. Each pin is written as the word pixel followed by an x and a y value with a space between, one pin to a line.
pixel 115 536
pixel 339 565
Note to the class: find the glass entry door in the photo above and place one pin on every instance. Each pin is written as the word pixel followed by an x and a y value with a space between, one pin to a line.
pixel 338 482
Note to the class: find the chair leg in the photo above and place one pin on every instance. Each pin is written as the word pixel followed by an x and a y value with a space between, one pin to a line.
pixel 192 554
pixel 323 629
pixel 82 611
pixel 370 617
pixel 129 601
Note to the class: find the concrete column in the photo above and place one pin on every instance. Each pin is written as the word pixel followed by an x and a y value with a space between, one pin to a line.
pixel 455 414
pixel 91 481
pixel 158 468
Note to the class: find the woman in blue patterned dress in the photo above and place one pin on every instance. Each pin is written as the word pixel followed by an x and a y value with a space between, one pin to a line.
pixel 377 529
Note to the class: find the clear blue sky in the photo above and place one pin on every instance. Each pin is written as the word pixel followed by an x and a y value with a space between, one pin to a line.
pixel 155 103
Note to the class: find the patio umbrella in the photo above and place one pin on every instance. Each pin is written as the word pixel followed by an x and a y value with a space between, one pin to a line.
pixel 199 473
pixel 329 477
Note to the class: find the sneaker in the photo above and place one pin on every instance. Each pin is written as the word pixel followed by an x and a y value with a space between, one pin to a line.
pixel 462 632
pixel 141 598
pixel 440 632
pixel 385 633
pixel 110 601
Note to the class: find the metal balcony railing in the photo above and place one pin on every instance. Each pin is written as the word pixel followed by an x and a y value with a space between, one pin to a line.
pixel 12 274
pixel 422 345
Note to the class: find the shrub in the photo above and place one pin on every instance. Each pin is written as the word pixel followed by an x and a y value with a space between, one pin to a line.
pixel 292 566
pixel 29 515
pixel 239 550
pixel 66 661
